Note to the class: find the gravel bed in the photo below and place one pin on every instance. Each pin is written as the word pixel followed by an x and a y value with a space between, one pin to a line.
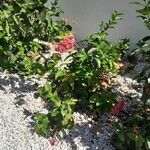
pixel 18 104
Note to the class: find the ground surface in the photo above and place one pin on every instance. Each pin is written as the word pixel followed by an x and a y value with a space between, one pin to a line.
pixel 18 104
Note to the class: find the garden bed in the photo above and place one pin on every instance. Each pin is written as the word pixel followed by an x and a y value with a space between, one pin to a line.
pixel 91 131
pixel 55 94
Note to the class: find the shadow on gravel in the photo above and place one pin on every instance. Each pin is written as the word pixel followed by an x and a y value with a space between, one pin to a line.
pixel 18 86
pixel 19 100
pixel 94 137
pixel 90 140
pixel 92 134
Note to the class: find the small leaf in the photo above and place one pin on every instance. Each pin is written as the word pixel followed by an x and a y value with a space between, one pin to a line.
pixel 94 98
pixel 42 124
pixel 68 121
pixel 136 138
pixel 59 74
pixel 19 43
pixel 137 3
pixel 120 126
pixel 2 34
pixel 71 101
pixel 148 80
pixel 69 27
pixel 48 87
pixel 132 136
pixel 54 112
pixel 64 111
pixel 98 62
pixel 145 11
pixel 148 144
pixel 55 99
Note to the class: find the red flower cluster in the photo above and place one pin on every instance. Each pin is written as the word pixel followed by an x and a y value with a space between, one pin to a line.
pixel 118 107
pixel 53 141
pixel 65 44
pixel 123 64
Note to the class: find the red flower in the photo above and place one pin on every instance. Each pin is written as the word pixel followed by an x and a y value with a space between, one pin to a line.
pixel 65 44
pixel 53 141
pixel 118 107
pixel 123 64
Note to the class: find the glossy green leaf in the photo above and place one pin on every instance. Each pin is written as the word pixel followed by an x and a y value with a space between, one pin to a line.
pixel 2 34
pixel 42 124
pixel 48 87
pixel 55 99
pixel 145 11
pixel 70 101
pixel 59 73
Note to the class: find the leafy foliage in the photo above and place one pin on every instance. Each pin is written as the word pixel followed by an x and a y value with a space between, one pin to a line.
pixel 133 133
pixel 144 44
pixel 144 50
pixel 77 80
pixel 103 101
pixel 42 124
pixel 20 22
pixel 144 11
pixel 60 116
pixel 99 57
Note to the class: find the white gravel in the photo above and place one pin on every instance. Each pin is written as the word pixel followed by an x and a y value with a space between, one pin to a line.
pixel 18 104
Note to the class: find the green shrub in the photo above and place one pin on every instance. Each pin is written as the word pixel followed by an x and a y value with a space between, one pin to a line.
pixel 133 133
pixel 21 21
pixel 77 80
